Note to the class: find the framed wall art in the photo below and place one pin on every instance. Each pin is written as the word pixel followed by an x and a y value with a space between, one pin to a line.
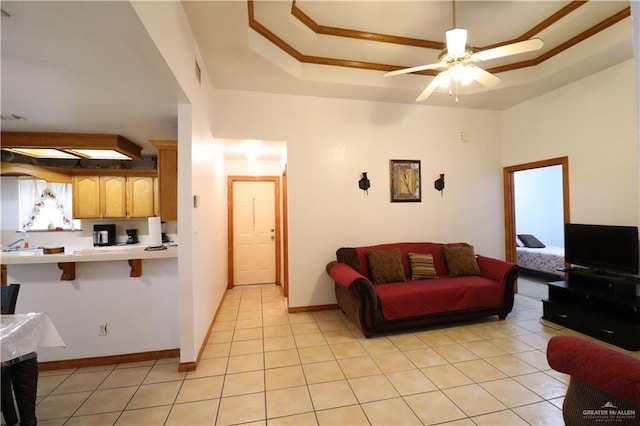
pixel 405 181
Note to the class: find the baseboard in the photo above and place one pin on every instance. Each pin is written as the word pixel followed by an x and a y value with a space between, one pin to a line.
pixel 109 359
pixel 192 365
pixel 315 308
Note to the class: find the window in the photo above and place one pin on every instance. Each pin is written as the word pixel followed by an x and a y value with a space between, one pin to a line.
pixel 45 205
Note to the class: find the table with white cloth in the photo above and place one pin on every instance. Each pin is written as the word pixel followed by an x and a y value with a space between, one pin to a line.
pixel 20 337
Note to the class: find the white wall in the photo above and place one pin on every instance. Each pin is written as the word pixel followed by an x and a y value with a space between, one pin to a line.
pixel 10 204
pixel 141 313
pixel 253 168
pixel 202 263
pixel 594 122
pixel 330 142
pixel 539 204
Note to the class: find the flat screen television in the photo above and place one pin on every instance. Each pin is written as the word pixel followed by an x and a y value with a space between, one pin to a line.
pixel 602 247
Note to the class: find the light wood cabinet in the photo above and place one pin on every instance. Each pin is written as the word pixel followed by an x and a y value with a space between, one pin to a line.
pixel 140 196
pixel 113 197
pixel 86 197
pixel 167 178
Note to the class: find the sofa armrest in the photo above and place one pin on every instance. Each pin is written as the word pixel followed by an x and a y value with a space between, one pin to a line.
pixel 343 274
pixel 601 367
pixel 492 268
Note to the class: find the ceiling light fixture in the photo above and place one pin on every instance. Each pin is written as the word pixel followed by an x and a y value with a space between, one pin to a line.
pixel 42 153
pixel 252 149
pixel 71 145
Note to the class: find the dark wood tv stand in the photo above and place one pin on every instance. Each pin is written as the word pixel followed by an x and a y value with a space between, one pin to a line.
pixel 598 304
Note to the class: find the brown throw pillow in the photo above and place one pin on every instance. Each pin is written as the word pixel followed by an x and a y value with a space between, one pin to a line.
pixel 386 266
pixel 422 266
pixel 461 261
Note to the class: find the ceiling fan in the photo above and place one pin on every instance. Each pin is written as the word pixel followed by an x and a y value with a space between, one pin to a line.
pixel 457 61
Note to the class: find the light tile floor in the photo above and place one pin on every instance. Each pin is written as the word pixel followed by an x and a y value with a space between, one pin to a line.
pixel 265 366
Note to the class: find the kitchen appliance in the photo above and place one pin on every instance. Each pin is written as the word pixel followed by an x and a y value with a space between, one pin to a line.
pixel 165 237
pixel 132 236
pixel 104 235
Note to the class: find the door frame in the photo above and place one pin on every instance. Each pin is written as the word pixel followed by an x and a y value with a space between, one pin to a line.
pixel 509 199
pixel 285 233
pixel 230 181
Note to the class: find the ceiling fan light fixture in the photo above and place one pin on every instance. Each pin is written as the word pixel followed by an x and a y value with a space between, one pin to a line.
pixel 457 42
pixel 462 74
pixel 444 79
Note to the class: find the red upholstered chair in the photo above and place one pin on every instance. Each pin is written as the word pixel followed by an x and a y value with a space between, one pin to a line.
pixel 604 385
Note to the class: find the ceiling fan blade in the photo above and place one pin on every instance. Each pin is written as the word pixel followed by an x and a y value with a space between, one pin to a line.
pixel 484 77
pixel 508 50
pixel 414 69
pixel 432 86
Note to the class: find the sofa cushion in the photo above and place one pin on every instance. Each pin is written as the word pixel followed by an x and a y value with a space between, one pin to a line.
pixel 386 266
pixel 461 261
pixel 417 298
pixel 422 266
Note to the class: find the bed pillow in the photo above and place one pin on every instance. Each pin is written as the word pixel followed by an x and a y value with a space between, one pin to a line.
pixel 422 266
pixel 461 261
pixel 530 241
pixel 386 266
pixel 519 243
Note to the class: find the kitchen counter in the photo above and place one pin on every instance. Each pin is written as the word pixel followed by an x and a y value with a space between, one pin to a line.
pixel 86 254
pixel 66 261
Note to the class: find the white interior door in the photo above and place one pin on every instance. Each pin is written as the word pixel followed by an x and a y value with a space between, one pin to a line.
pixel 254 246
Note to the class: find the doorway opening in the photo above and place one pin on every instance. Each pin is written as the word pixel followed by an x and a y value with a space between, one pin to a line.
pixel 509 179
pixel 254 230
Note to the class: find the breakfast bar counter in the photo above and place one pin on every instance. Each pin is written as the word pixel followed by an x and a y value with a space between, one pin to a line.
pixel 66 261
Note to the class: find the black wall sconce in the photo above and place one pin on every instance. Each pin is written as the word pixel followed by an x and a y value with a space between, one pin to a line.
pixel 438 184
pixel 364 183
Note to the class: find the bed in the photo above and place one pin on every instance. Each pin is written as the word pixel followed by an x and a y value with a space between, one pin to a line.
pixel 540 261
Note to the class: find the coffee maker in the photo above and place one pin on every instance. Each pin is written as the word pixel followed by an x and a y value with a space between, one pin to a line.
pixel 104 235
pixel 132 236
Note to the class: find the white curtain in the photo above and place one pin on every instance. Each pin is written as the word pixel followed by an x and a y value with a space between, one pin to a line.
pixel 43 204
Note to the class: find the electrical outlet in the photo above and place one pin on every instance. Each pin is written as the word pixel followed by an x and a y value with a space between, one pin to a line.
pixel 102 329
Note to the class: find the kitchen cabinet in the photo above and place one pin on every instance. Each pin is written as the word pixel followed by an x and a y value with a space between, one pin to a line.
pixel 113 197
pixel 140 196
pixel 86 197
pixel 167 178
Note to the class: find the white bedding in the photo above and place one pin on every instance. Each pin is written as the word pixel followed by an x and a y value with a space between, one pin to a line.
pixel 545 259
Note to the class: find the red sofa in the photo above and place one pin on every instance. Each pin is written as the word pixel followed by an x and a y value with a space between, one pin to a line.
pixel 604 384
pixel 486 290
